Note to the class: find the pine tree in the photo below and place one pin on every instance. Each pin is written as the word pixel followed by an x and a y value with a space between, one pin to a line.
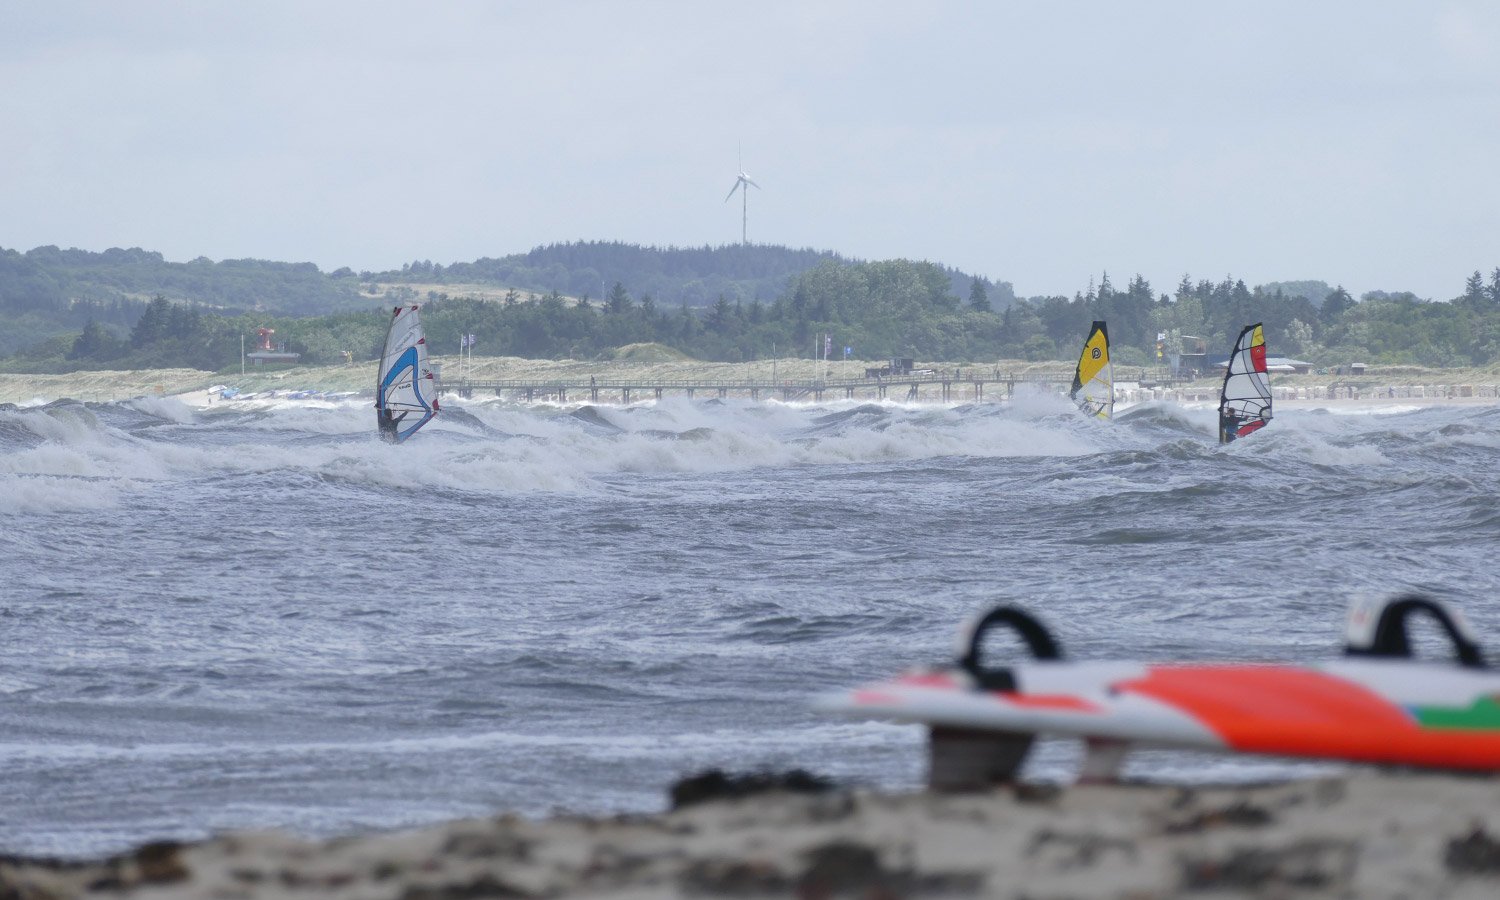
pixel 1474 291
pixel 153 324
pixel 718 315
pixel 1338 303
pixel 979 300
pixel 619 299
pixel 90 343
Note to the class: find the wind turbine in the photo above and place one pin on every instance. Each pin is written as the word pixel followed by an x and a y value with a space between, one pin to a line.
pixel 743 184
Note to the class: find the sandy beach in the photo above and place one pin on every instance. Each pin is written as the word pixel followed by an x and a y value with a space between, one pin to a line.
pixel 1368 835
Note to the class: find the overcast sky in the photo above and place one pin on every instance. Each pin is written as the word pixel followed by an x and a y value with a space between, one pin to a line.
pixel 1038 143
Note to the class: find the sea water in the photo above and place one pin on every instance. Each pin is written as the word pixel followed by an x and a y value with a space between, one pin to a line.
pixel 259 615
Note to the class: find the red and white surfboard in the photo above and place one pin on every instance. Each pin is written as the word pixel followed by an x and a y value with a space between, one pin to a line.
pixel 1375 705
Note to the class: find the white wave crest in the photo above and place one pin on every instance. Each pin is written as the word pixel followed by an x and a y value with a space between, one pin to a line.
pixel 51 494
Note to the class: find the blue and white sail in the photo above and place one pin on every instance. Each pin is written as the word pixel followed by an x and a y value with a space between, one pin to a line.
pixel 405 391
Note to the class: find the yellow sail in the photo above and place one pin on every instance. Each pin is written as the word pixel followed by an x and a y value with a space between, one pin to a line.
pixel 1094 380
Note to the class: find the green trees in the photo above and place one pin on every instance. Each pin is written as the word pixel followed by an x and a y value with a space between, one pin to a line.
pixel 879 309
pixel 1474 291
pixel 979 298
pixel 95 343
pixel 1335 305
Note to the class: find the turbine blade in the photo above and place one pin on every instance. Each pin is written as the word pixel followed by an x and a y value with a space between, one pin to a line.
pixel 752 184
pixel 731 191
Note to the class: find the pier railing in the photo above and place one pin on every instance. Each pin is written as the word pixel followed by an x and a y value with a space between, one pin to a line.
pixel 936 384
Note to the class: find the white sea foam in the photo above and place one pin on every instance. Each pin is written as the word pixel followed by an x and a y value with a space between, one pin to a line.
pixel 502 447
pixel 169 408
pixel 45 494
pixel 1309 440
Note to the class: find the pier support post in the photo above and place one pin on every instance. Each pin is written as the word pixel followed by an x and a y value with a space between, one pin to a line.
pixel 625 396
pixel 658 393
pixel 562 394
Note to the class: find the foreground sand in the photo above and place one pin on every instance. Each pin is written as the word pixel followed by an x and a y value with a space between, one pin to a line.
pixel 1365 836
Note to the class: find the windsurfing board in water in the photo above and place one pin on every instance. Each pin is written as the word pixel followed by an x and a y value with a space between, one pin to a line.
pixel 1375 705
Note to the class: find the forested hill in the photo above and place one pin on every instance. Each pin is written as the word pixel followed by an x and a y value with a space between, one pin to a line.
pixel 48 292
pixel 876 310
pixel 672 276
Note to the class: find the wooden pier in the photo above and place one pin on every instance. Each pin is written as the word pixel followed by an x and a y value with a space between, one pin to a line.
pixel 932 386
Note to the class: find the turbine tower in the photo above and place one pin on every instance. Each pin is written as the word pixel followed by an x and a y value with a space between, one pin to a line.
pixel 743 184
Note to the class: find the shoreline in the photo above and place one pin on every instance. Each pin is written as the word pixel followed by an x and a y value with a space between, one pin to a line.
pixel 1400 387
pixel 1368 834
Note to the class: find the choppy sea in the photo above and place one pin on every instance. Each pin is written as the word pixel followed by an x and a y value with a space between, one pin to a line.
pixel 258 615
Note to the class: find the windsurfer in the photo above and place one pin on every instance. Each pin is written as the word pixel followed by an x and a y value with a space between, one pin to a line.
pixel 1229 425
pixel 389 424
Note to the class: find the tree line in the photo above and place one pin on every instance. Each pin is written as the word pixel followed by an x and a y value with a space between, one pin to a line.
pixel 49 292
pixel 878 309
pixel 674 276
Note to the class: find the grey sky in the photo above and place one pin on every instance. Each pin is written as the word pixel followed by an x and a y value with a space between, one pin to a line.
pixel 1038 143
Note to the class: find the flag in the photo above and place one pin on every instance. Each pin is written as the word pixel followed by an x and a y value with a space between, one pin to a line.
pixel 466 340
pixel 471 340
pixel 1161 335
pixel 827 345
pixel 847 351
